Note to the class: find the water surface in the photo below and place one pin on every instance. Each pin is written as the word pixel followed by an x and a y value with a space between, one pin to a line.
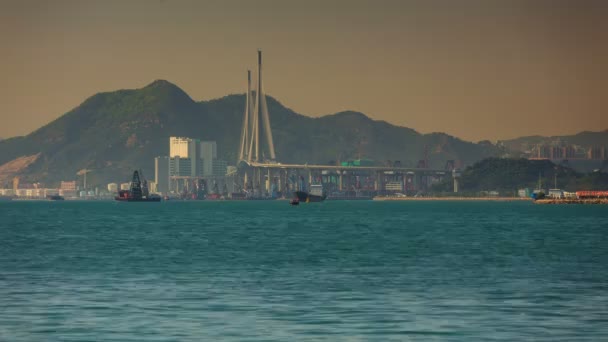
pixel 335 271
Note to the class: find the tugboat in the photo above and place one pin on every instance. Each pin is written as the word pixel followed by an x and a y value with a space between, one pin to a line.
pixel 138 192
pixel 294 201
pixel 316 194
pixel 55 198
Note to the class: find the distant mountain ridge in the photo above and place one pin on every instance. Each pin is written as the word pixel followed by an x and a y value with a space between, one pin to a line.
pixel 585 139
pixel 113 133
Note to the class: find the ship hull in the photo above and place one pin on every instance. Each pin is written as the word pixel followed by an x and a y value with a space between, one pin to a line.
pixel 152 199
pixel 304 196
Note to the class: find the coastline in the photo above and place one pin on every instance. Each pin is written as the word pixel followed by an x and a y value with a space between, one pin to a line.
pixel 572 201
pixel 498 199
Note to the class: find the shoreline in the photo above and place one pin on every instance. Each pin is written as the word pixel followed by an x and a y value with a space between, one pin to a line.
pixel 493 199
pixel 572 201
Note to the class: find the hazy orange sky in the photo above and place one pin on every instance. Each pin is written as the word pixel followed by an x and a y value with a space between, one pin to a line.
pixel 480 69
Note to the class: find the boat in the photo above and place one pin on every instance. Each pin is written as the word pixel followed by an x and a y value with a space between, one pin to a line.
pixel 316 194
pixel 237 196
pixel 294 201
pixel 138 191
pixel 214 197
pixel 55 198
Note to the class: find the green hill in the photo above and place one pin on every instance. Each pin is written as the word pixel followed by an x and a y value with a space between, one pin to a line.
pixel 115 132
pixel 506 175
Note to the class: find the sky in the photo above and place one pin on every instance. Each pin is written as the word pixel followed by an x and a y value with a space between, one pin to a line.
pixel 476 69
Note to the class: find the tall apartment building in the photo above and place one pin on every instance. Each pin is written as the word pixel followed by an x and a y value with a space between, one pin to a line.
pixel 597 152
pixel 209 155
pixel 555 152
pixel 187 158
pixel 161 174
pixel 185 155
pixel 569 152
pixel 543 152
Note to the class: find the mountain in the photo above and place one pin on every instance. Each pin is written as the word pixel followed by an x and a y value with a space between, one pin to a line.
pixel 584 139
pixel 113 133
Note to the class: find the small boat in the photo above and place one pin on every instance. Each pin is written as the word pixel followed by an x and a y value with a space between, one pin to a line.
pixel 138 191
pixel 294 201
pixel 316 194
pixel 55 198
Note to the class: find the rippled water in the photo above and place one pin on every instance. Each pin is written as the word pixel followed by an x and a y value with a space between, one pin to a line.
pixel 252 271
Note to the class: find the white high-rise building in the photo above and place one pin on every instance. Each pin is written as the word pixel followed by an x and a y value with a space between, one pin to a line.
pixel 186 154
pixel 182 147
pixel 112 187
pixel 161 174
pixel 187 158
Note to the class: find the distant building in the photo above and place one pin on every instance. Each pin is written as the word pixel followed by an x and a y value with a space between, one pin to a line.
pixel 187 158
pixel 526 192
pixel 220 168
pixel 125 186
pixel 596 152
pixel 7 192
pixel 183 147
pixel 161 174
pixel 68 193
pixel 182 167
pixel 569 152
pixel 556 193
pixel 112 187
pixel 68 185
pixel 152 188
pixel 543 152
pixel 208 154
pixel 186 154
pixel 556 152
pixel 393 186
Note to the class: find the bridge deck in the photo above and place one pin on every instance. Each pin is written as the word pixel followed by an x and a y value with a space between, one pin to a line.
pixel 341 168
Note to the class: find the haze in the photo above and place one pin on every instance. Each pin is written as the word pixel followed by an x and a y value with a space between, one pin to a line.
pixel 474 69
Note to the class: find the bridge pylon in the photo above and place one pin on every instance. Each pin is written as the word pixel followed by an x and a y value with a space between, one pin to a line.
pixel 256 119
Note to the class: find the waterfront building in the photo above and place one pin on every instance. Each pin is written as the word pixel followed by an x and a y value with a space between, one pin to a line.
pixel 152 187
pixel 7 192
pixel 526 192
pixel 182 147
pixel 220 168
pixel 181 167
pixel 112 187
pixel 556 193
pixel 393 186
pixel 186 155
pixel 188 158
pixel 68 185
pixel 208 155
pixel 68 193
pixel 161 174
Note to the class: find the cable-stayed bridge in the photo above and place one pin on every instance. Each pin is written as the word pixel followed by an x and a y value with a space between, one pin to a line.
pixel 267 175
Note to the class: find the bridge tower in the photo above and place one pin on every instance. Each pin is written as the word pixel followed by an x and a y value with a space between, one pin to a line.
pixel 247 125
pixel 256 119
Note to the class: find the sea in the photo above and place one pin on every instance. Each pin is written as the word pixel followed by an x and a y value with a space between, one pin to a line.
pixel 331 271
